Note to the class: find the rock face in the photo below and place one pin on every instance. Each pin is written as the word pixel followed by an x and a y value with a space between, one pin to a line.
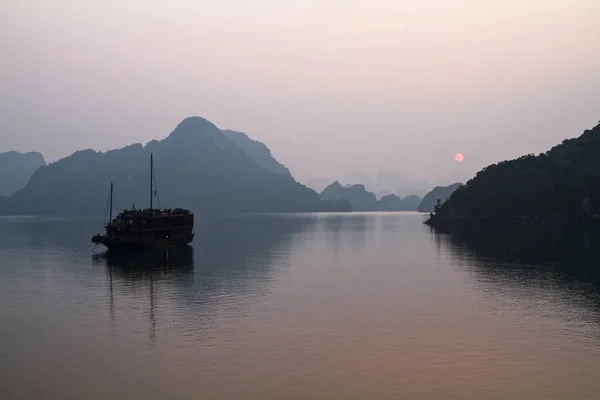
pixel 411 203
pixel 363 200
pixel 196 166
pixel 440 192
pixel 388 182
pixel 395 203
pixel 16 169
pixel 257 151
pixel 563 183
pixel 391 202
pixel 358 196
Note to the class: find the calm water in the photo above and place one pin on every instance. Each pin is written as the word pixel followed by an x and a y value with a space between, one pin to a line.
pixel 370 306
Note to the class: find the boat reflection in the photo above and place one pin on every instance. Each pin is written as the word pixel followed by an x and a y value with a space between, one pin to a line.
pixel 234 258
pixel 149 263
pixel 148 269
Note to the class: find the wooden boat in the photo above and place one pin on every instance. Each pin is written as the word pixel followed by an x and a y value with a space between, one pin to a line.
pixel 147 228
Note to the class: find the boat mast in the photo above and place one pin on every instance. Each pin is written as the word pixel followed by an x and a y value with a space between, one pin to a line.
pixel 110 207
pixel 151 176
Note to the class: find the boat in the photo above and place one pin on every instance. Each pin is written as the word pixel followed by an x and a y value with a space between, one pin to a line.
pixel 146 228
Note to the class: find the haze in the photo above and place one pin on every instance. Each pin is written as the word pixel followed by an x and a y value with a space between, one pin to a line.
pixel 331 86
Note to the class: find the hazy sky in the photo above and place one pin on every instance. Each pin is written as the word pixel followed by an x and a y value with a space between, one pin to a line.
pixel 331 86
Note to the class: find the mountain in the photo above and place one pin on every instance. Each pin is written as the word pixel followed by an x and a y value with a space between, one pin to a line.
pixel 398 183
pixel 408 191
pixel 363 200
pixel 16 169
pixel 357 195
pixel 389 182
pixel 359 178
pixel 562 183
pixel 394 203
pixel 197 167
pixel 257 151
pixel 317 184
pixel 386 184
pixel 381 194
pixel 439 192
pixel 391 202
pixel 411 203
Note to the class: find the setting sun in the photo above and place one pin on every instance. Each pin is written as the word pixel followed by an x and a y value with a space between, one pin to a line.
pixel 459 157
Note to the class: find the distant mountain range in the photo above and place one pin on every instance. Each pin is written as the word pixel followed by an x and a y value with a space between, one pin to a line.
pixel 392 202
pixel 399 184
pixel 16 169
pixel 383 184
pixel 198 166
pixel 357 195
pixel 363 200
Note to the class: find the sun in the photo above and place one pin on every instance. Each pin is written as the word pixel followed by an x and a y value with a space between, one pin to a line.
pixel 459 157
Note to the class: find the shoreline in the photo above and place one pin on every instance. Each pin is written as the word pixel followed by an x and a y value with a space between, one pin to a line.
pixel 437 222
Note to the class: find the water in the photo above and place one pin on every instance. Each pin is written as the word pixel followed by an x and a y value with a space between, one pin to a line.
pixel 355 306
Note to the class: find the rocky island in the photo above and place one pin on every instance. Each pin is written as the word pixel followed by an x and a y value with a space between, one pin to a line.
pixel 562 184
pixel 362 200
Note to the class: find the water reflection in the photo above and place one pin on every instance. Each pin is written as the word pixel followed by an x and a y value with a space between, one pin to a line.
pixel 55 234
pixel 238 258
pixel 301 306
pixel 142 265
pixel 234 259
pixel 561 261
pixel 148 267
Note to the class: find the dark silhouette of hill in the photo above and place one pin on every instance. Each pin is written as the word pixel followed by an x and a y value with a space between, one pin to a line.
pixel 257 151
pixel 388 182
pixel 16 169
pixel 358 196
pixel 440 192
pixel 390 202
pixel 411 203
pixel 363 200
pixel 197 167
pixel 562 183
pixel 394 203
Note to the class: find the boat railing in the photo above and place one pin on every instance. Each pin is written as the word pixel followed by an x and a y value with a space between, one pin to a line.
pixel 154 213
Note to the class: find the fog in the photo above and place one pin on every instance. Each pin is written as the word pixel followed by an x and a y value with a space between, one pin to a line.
pixel 331 86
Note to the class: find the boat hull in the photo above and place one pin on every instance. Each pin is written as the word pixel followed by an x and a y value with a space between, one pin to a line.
pixel 125 243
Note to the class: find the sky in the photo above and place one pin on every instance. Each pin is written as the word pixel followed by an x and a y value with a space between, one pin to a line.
pixel 331 86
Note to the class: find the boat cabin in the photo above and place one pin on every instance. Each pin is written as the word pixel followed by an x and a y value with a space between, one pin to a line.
pixel 151 224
